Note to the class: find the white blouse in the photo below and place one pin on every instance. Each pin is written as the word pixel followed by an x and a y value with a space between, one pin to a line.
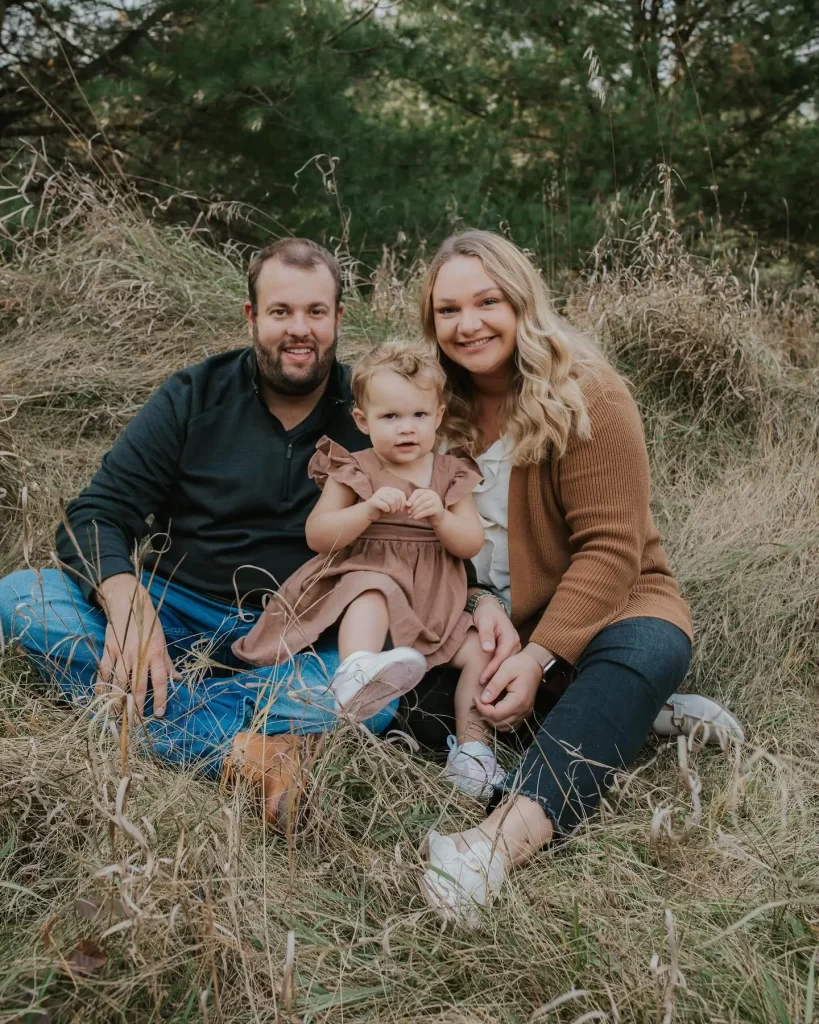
pixel 492 502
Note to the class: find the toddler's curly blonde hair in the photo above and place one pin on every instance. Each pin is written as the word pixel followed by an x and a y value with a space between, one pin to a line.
pixel 410 359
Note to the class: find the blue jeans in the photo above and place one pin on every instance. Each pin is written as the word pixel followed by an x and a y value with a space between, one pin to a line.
pixel 63 636
pixel 600 723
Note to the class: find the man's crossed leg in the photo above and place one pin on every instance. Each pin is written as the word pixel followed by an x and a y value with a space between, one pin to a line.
pixel 216 698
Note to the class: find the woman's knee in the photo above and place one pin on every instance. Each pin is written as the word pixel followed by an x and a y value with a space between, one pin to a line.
pixel 651 653
pixel 622 680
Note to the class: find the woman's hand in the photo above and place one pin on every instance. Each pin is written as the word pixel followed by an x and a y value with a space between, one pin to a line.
pixel 518 679
pixel 385 500
pixel 497 634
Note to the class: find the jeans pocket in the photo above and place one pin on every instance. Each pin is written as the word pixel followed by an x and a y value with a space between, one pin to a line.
pixel 179 641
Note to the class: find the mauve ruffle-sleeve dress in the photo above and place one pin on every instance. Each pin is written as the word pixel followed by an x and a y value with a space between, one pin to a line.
pixel 424 585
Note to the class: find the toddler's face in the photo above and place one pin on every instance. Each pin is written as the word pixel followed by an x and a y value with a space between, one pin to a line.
pixel 400 418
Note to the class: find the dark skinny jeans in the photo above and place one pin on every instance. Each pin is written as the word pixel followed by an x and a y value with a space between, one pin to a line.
pixel 596 727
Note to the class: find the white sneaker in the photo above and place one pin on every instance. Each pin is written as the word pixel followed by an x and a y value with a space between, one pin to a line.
pixel 364 683
pixel 457 884
pixel 471 767
pixel 688 712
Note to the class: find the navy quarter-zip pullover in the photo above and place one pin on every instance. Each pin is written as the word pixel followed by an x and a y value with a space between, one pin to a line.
pixel 225 484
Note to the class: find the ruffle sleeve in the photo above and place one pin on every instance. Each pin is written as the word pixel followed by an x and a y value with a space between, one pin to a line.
pixel 465 478
pixel 333 460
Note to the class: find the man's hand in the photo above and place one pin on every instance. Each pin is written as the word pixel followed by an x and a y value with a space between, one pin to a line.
pixel 518 680
pixel 496 633
pixel 135 645
pixel 426 504
pixel 385 499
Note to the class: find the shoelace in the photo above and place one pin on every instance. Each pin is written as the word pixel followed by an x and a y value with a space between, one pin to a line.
pixel 361 677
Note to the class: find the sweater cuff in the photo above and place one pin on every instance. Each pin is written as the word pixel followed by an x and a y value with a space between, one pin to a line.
pixel 109 565
pixel 565 643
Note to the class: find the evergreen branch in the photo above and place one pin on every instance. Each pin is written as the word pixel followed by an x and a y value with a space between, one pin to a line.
pixel 446 97
pixel 125 46
pixel 360 50
pixel 756 128
pixel 104 61
pixel 352 23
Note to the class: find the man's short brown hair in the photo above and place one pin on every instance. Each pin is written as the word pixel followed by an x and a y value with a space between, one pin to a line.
pixel 293 252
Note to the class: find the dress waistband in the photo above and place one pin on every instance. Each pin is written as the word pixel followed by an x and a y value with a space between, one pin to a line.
pixel 401 532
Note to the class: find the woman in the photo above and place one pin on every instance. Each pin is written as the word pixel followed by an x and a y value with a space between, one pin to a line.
pixel 572 550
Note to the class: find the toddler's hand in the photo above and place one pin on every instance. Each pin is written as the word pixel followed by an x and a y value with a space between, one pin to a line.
pixel 425 504
pixel 385 499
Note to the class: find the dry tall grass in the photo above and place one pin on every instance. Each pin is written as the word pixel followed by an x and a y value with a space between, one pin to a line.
pixel 693 896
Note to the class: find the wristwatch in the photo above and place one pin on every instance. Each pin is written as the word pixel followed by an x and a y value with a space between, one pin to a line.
pixel 547 668
pixel 473 600
pixel 547 665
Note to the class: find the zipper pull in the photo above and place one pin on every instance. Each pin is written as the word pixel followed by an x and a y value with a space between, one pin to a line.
pixel 289 451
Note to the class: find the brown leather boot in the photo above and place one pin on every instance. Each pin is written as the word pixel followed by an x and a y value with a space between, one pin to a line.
pixel 278 767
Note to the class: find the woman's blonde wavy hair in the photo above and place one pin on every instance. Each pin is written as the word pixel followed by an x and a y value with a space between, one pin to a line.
pixel 545 403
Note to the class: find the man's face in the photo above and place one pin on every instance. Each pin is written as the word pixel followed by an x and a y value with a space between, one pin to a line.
pixel 295 327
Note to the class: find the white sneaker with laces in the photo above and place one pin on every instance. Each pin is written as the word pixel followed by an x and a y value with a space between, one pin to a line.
pixel 687 712
pixel 472 768
pixel 457 883
pixel 364 682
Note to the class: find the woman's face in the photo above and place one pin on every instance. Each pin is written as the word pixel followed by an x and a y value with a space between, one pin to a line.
pixel 475 323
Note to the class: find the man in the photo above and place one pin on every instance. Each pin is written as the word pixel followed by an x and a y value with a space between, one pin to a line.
pixel 218 458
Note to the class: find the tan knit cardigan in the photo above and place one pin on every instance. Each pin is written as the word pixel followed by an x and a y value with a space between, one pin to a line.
pixel 583 548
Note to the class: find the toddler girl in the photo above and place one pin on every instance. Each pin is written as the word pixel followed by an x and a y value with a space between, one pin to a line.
pixel 391 529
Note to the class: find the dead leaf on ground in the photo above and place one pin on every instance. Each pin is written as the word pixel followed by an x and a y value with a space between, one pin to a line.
pixel 87 958
pixel 92 909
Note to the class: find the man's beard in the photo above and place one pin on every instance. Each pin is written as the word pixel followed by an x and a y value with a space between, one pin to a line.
pixel 299 383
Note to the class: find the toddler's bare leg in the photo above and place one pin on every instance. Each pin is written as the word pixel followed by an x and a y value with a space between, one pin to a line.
pixel 368 677
pixel 364 625
pixel 471 660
